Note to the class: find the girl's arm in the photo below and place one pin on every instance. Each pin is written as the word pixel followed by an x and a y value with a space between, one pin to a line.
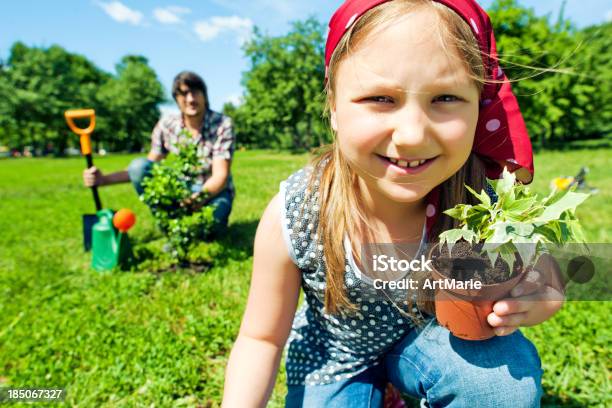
pixel 275 287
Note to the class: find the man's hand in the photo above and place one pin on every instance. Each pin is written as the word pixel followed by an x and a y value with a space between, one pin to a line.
pixel 534 300
pixel 195 201
pixel 93 177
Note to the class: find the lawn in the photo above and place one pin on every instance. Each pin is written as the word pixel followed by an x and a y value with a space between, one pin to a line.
pixel 143 339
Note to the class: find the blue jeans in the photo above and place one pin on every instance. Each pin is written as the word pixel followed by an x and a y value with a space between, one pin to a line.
pixel 140 168
pixel 431 364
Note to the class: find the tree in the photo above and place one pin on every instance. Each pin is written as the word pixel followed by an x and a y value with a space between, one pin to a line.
pixel 283 101
pixel 43 83
pixel 38 84
pixel 130 104
pixel 595 65
pixel 552 66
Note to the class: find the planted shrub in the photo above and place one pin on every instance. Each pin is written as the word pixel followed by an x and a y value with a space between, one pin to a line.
pixel 166 192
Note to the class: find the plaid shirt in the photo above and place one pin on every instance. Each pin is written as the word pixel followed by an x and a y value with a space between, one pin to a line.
pixel 216 139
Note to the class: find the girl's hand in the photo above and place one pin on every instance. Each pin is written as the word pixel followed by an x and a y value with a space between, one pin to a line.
pixel 534 300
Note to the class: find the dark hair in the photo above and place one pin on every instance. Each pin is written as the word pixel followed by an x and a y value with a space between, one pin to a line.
pixel 193 81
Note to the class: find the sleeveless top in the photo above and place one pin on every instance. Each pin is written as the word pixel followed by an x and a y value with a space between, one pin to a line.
pixel 324 348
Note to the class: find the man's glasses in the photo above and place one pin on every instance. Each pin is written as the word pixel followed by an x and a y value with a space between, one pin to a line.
pixel 193 92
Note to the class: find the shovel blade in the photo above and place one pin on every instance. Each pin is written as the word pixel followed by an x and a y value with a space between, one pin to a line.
pixel 89 221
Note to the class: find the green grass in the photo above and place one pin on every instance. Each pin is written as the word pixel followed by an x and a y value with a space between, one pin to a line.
pixel 141 339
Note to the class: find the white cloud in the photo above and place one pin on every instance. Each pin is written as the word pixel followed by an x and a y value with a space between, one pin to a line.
pixel 214 26
pixel 121 13
pixel 609 15
pixel 170 14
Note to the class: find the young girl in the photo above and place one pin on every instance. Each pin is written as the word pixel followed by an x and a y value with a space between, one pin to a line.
pixel 418 106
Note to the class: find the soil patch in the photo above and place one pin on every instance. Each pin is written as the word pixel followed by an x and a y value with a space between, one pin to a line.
pixel 466 262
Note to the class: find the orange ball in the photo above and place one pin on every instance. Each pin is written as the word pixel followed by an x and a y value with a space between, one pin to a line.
pixel 124 219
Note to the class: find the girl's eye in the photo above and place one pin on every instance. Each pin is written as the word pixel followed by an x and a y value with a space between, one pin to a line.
pixel 380 99
pixel 446 98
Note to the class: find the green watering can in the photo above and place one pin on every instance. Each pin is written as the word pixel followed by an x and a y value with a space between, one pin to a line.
pixel 110 242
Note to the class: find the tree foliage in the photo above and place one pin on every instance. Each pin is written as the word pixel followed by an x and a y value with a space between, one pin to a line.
pixel 38 84
pixel 283 100
pixel 559 72
pixel 561 76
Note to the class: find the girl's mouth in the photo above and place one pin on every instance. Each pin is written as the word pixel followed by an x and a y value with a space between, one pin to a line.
pixel 402 166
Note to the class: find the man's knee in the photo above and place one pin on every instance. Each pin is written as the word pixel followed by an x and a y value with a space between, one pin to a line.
pixel 139 168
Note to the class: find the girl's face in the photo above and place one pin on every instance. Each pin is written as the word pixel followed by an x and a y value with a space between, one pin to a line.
pixel 404 110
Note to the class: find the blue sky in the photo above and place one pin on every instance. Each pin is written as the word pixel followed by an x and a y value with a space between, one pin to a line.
pixel 203 36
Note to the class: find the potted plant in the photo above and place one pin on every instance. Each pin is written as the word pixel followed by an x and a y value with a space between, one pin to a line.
pixel 496 244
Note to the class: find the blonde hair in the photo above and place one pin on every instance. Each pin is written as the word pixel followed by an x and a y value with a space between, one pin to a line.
pixel 339 194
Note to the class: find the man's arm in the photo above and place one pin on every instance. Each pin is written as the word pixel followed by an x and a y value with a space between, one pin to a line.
pixel 155 156
pixel 217 181
pixel 213 186
pixel 94 176
pixel 223 151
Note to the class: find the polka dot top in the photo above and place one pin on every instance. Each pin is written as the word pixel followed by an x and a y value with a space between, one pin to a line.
pixel 324 348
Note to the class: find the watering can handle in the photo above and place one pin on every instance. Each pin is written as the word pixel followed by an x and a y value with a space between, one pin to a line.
pixel 85 136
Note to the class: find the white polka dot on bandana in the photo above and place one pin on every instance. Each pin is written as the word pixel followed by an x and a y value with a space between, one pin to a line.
pixel 351 21
pixel 430 211
pixel 511 161
pixel 493 125
pixel 474 25
pixel 500 72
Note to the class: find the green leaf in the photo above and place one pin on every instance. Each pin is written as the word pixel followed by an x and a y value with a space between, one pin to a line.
pixel 568 202
pixel 505 184
pixel 527 251
pixel 508 254
pixel 452 236
pixel 483 196
pixel 457 212
pixel 501 234
pixel 521 205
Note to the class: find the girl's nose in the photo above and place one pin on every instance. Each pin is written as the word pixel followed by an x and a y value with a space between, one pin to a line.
pixel 409 126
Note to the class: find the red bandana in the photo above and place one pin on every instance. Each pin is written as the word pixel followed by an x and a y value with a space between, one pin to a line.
pixel 501 136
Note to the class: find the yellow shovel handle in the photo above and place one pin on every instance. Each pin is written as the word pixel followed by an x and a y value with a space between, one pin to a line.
pixel 83 133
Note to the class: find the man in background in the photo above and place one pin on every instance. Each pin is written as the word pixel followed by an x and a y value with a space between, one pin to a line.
pixel 215 139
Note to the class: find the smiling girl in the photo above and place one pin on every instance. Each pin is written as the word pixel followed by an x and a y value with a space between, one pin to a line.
pixel 418 106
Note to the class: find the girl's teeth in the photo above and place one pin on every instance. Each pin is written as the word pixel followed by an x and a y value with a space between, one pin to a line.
pixel 404 163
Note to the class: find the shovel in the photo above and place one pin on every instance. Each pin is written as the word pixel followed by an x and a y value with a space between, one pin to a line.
pixel 85 135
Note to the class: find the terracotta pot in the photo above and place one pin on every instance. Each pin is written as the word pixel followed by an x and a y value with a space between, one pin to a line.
pixel 464 311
